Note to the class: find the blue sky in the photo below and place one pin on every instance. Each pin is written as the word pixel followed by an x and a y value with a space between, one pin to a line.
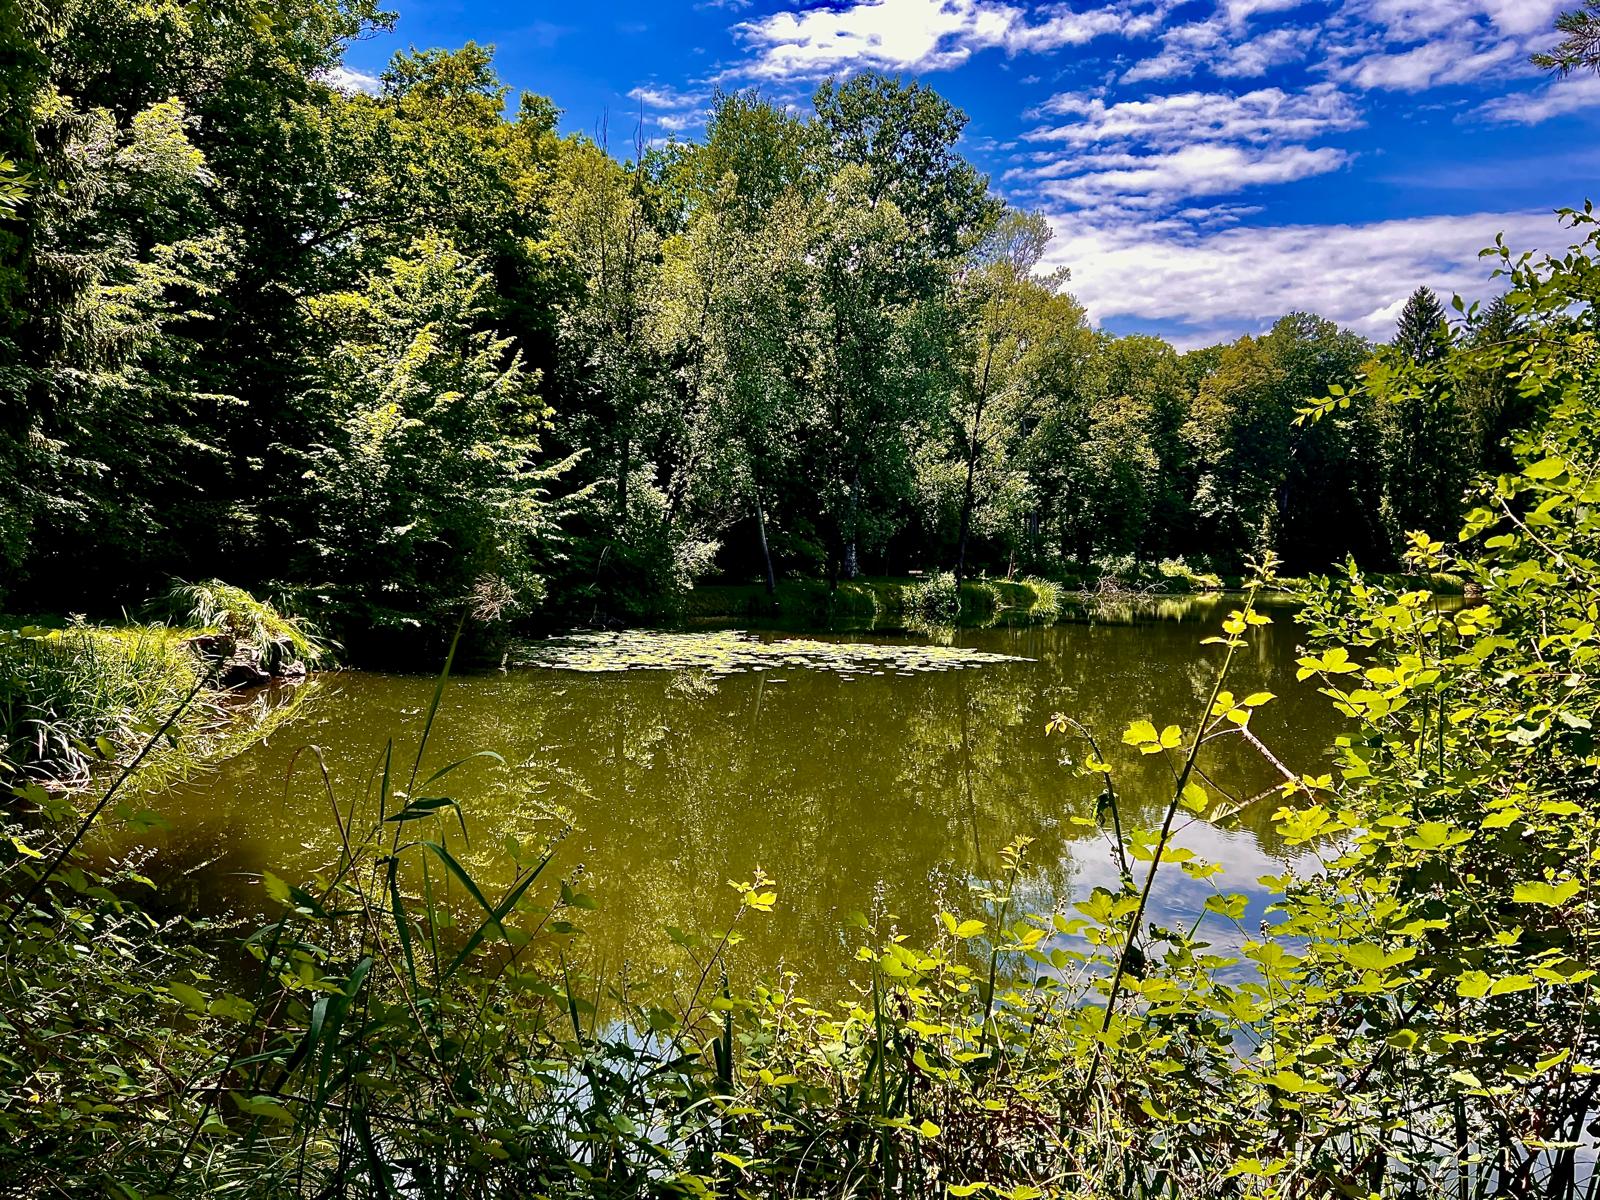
pixel 1207 164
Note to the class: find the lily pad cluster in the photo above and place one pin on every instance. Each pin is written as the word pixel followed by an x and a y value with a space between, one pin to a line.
pixel 731 652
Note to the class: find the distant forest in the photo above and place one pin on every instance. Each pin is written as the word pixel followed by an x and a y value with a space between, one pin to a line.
pixel 386 354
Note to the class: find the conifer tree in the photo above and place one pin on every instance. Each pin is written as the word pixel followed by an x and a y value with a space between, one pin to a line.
pixel 1417 334
pixel 1580 45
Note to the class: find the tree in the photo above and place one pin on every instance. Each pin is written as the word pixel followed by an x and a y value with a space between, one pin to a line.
pixel 608 240
pixel 427 495
pixel 1422 332
pixel 1149 375
pixel 1495 406
pixel 1579 48
pixel 904 137
pixel 1429 448
pixel 866 344
pixel 897 212
pixel 1265 483
pixel 992 295
pixel 114 430
pixel 753 156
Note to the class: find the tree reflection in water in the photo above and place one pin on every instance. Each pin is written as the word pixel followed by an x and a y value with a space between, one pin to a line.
pixel 881 793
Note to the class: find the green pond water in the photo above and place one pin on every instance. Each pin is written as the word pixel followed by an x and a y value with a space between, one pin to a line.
pixel 870 773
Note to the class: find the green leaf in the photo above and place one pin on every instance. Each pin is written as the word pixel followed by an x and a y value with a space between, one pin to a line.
pixel 1141 733
pixel 423 806
pixel 1549 468
pixel 1551 895
pixel 275 887
pixel 189 996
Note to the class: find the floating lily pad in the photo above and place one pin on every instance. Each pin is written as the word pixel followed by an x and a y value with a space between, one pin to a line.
pixel 731 652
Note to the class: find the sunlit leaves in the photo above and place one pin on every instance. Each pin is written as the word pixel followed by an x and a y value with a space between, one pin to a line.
pixel 1143 734
pixel 1548 895
pixel 755 894
pixel 1334 661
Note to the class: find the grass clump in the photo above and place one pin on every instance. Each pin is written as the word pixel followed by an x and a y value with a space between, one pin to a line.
pixel 80 699
pixel 217 607
pixel 77 697
pixel 935 600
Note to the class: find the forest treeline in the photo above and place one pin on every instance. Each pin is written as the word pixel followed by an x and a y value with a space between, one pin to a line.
pixel 387 352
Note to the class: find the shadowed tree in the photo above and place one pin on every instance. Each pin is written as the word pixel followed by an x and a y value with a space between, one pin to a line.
pixel 1417 334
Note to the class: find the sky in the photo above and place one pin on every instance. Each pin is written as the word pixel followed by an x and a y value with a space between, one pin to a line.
pixel 1207 165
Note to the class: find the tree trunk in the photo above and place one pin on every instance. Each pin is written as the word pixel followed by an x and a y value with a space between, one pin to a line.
pixel 851 566
pixel 974 442
pixel 766 551
pixel 966 498
pixel 622 485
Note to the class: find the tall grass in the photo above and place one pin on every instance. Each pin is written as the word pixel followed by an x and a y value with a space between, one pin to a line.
pixel 214 606
pixel 74 698
pixel 78 700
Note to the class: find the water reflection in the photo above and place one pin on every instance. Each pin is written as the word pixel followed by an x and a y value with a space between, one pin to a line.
pixel 875 793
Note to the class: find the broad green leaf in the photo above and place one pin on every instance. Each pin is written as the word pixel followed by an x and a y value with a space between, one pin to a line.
pixel 1551 895
pixel 1141 733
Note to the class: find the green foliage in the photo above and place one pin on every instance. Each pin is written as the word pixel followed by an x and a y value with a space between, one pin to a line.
pixel 936 600
pixel 13 188
pixel 77 697
pixel 428 496
pixel 813 344
pixel 1579 48
pixel 221 607
pixel 1433 941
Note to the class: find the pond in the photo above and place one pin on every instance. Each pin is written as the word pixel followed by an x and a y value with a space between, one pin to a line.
pixel 864 772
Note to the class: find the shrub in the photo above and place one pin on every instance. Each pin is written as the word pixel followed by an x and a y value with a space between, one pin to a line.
pixel 1178 576
pixel 934 600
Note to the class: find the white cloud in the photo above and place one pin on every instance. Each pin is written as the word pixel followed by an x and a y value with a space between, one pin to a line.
pixel 1157 181
pixel 1454 60
pixel 1238 279
pixel 349 80
pixel 1263 115
pixel 1218 46
pixel 664 96
pixel 1401 45
pixel 669 109
pixel 921 35
pixel 1413 20
pixel 679 122
pixel 1149 155
pixel 1239 11
pixel 1410 45
pixel 1575 94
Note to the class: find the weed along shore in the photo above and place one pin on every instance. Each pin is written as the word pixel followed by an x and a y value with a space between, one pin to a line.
pixel 80 703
